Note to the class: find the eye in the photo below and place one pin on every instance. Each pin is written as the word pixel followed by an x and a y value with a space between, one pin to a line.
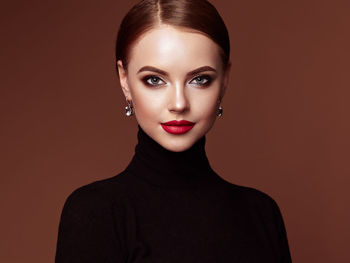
pixel 201 80
pixel 153 81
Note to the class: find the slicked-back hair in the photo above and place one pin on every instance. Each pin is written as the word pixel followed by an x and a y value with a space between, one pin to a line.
pixel 197 15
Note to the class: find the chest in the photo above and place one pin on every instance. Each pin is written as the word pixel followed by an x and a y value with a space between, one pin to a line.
pixel 194 227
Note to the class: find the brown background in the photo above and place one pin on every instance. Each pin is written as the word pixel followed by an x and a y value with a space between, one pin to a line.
pixel 285 128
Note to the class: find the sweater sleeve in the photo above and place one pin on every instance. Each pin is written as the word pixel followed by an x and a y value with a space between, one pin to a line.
pixel 285 256
pixel 87 231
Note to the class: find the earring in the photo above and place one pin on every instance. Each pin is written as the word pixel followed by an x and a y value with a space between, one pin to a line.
pixel 220 111
pixel 129 109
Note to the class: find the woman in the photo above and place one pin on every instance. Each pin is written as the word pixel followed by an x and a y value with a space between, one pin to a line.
pixel 168 205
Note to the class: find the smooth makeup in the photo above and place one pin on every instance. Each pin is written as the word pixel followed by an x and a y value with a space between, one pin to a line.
pixel 175 79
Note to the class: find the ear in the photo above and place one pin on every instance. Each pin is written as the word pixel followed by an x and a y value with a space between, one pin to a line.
pixel 123 78
pixel 225 80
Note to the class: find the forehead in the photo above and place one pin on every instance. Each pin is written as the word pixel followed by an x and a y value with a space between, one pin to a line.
pixel 174 49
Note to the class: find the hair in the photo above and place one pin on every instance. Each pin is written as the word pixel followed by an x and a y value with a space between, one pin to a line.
pixel 198 15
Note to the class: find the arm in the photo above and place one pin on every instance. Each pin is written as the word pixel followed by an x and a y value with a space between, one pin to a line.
pixel 283 240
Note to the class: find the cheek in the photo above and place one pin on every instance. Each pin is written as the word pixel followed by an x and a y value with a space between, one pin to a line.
pixel 205 105
pixel 147 103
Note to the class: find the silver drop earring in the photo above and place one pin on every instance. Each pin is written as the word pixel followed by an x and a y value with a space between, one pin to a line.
pixel 129 109
pixel 220 111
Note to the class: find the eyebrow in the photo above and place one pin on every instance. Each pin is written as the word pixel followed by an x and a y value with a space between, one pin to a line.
pixel 162 72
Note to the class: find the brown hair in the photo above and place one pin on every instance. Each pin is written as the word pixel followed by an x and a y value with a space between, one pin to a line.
pixel 199 15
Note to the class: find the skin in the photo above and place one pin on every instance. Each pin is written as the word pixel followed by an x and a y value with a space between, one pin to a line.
pixel 175 93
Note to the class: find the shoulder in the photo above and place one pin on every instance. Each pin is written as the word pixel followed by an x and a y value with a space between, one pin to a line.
pixel 260 207
pixel 263 206
pixel 266 215
pixel 254 199
pixel 96 196
pixel 256 196
pixel 264 212
pixel 89 223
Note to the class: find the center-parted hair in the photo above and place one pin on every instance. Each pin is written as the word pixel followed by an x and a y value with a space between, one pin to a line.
pixel 198 15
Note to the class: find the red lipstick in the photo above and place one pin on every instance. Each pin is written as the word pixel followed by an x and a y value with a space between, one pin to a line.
pixel 177 127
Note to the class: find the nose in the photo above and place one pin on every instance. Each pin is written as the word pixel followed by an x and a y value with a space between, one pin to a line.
pixel 178 100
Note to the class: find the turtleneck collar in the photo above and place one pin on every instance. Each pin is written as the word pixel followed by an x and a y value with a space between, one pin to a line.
pixel 159 166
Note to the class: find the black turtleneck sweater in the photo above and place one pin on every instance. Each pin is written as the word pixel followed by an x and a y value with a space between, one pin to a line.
pixel 170 207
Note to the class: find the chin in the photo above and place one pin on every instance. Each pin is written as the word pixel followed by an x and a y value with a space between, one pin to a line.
pixel 178 144
pixel 176 148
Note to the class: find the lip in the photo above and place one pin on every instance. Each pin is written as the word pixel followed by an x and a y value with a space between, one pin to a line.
pixel 177 127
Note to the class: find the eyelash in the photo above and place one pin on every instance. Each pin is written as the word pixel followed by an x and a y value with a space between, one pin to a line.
pixel 146 80
pixel 207 79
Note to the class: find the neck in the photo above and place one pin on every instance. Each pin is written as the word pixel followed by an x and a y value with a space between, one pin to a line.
pixel 160 166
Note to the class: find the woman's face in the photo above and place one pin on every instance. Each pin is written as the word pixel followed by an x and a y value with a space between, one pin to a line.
pixel 174 75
